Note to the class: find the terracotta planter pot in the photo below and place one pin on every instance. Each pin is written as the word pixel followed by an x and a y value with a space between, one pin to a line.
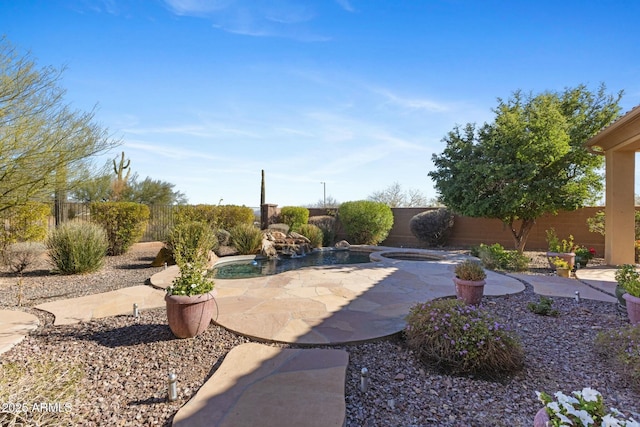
pixel 189 316
pixel 633 308
pixel 469 291
pixel 541 418
pixel 569 257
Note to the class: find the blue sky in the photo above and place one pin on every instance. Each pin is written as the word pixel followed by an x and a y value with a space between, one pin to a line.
pixel 357 94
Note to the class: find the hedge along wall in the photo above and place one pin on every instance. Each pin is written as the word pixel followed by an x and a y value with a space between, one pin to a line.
pixel 469 232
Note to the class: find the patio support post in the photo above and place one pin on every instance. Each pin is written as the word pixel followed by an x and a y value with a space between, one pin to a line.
pixel 619 208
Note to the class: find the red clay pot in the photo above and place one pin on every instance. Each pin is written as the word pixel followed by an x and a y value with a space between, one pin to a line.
pixel 189 316
pixel 469 291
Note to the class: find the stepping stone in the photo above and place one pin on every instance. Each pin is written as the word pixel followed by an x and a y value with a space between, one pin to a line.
pixel 97 306
pixel 14 326
pixel 554 286
pixel 259 385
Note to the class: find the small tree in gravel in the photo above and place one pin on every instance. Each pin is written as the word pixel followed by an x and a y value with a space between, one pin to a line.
pixel 18 257
pixel 432 227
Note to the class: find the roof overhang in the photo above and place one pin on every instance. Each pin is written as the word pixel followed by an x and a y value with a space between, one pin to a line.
pixel 621 135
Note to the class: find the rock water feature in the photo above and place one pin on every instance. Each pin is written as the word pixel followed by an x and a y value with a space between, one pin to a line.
pixel 277 243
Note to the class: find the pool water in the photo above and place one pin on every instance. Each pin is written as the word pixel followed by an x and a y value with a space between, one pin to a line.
pixel 266 267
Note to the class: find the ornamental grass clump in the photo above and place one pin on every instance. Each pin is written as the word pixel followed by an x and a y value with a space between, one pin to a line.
pixel 246 238
pixel 77 247
pixel 620 348
pixel 462 339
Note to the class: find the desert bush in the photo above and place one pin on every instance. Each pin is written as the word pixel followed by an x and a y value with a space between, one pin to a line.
pixel 246 238
pixel 124 222
pixel 621 349
pixel 38 383
pixel 77 247
pixel 366 222
pixel 313 233
pixel 25 223
pixel 190 243
pixel 217 216
pixel 18 256
pixel 327 224
pixel 432 227
pixel 199 213
pixel 496 257
pixel 294 216
pixel 231 215
pixel 462 339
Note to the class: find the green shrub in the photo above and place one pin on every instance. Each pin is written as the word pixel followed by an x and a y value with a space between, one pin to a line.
pixel 366 222
pixel 190 243
pixel 621 349
pixel 432 227
pixel 462 339
pixel 246 238
pixel 226 217
pixel 628 277
pixel 543 307
pixel 327 224
pixel 32 382
pixel 313 233
pixel 77 247
pixel 231 215
pixel 26 223
pixel 124 222
pixel 200 213
pixel 294 216
pixel 496 257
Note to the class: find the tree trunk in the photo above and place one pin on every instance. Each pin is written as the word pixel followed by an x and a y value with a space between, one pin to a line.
pixel 520 236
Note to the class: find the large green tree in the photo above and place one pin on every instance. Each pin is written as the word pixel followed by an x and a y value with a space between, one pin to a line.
pixel 44 143
pixel 530 161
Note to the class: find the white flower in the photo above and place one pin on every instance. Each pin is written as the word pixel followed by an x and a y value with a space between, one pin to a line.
pixel 590 395
pixel 193 285
pixel 632 423
pixel 554 407
pixel 610 421
pixel 585 418
pixel 564 419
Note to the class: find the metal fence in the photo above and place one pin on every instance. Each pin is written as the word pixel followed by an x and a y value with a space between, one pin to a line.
pixel 160 219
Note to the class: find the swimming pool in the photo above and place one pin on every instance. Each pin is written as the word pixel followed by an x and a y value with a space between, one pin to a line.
pixel 267 266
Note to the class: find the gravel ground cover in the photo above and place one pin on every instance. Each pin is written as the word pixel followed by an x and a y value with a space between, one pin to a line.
pixel 126 361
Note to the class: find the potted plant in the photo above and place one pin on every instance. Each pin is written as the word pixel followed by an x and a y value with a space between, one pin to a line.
pixel 560 248
pixel 583 255
pixel 561 266
pixel 581 408
pixel 469 281
pixel 628 278
pixel 190 299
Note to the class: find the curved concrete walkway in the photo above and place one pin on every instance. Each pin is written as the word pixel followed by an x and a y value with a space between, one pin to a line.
pixel 338 304
pixel 14 326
